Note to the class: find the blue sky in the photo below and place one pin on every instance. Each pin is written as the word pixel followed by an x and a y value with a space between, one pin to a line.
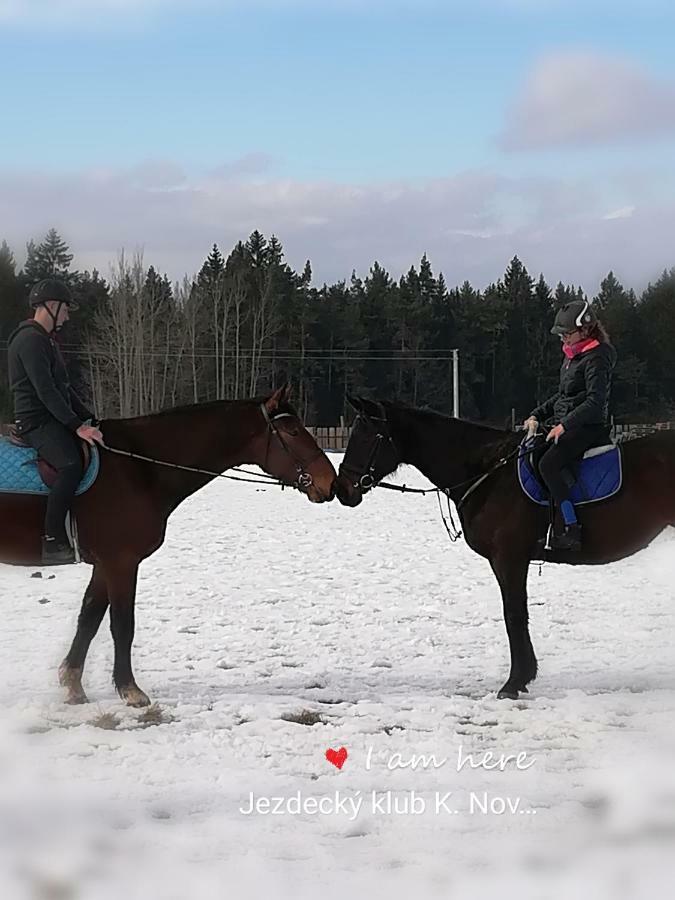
pixel 328 121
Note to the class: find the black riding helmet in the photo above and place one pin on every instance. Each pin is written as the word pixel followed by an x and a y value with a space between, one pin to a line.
pixel 51 289
pixel 573 316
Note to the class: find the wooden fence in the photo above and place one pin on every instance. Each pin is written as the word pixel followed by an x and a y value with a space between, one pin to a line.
pixel 331 438
pixel 629 432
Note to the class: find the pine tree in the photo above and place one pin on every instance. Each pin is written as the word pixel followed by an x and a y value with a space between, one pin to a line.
pixel 12 306
pixel 212 270
pixel 12 310
pixel 51 257
pixel 657 316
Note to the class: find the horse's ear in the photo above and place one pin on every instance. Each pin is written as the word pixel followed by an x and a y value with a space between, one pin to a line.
pixel 286 395
pixel 372 409
pixel 272 403
pixel 355 402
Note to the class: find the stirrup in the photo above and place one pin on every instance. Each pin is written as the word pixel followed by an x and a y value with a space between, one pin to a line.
pixel 569 540
pixel 55 553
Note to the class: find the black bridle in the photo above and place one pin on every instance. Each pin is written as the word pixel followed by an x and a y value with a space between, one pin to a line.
pixel 364 479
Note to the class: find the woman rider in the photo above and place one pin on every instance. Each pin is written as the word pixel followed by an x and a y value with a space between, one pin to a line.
pixel 578 413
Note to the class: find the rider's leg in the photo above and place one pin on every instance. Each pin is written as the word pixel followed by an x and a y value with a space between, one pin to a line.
pixel 58 446
pixel 556 467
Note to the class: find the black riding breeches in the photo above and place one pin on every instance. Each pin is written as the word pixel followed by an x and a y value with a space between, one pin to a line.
pixel 557 463
pixel 59 447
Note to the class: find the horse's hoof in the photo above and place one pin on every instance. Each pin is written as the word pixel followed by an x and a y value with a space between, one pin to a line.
pixel 75 699
pixel 71 680
pixel 507 693
pixel 134 696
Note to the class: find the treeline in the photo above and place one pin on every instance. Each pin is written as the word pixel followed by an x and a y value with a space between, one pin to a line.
pixel 248 321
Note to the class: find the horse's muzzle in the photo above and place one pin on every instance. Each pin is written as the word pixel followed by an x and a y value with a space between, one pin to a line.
pixel 347 493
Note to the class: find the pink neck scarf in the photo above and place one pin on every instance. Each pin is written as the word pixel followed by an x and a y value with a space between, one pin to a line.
pixel 572 350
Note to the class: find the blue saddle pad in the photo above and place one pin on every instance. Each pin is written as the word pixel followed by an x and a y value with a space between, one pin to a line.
pixel 19 473
pixel 598 477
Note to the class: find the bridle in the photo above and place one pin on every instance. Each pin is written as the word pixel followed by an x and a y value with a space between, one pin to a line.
pixel 365 479
pixel 304 479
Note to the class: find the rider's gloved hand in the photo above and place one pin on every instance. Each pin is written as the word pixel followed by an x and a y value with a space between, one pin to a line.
pixel 90 434
pixel 531 425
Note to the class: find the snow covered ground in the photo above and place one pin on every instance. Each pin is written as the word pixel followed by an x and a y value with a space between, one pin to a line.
pixel 371 625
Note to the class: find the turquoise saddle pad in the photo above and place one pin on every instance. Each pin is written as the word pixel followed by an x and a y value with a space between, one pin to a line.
pixel 19 473
pixel 598 476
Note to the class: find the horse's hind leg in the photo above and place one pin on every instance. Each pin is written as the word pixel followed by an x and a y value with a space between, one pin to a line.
pixel 512 577
pixel 94 605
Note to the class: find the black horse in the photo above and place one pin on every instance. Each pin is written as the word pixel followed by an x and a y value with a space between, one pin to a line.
pixel 499 521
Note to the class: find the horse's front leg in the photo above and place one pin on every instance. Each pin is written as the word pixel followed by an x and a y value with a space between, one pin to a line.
pixel 121 577
pixel 511 573
pixel 94 605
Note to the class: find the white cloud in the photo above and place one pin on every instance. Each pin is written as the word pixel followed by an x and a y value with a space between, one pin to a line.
pixel 470 224
pixel 625 212
pixel 583 99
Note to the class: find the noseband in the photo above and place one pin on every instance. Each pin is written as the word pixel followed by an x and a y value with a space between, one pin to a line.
pixel 303 480
pixel 365 479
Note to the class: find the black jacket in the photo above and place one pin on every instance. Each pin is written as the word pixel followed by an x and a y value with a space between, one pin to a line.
pixel 39 381
pixel 583 396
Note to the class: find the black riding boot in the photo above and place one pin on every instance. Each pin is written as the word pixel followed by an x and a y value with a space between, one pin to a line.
pixel 570 539
pixel 56 553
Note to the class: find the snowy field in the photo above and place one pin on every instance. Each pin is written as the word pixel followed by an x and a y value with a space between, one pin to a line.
pixel 364 629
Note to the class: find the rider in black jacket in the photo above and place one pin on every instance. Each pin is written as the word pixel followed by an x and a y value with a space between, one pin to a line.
pixel 49 415
pixel 577 412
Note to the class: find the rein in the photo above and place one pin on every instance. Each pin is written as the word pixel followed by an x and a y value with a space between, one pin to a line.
pixel 304 478
pixel 454 533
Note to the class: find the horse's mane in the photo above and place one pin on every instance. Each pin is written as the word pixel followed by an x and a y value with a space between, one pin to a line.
pixel 426 412
pixel 196 408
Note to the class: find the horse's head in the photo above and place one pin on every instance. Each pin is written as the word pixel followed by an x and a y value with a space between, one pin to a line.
pixel 370 455
pixel 289 452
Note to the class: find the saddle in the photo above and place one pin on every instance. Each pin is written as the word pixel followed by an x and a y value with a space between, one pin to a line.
pixel 22 471
pixel 597 476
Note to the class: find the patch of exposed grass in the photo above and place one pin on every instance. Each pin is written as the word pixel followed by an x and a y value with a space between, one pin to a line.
pixel 154 715
pixel 107 720
pixel 304 717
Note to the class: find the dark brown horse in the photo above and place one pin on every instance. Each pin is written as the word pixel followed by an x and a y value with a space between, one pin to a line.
pixel 122 518
pixel 499 521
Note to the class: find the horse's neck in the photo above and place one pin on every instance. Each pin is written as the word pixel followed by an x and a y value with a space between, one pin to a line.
pixel 213 438
pixel 446 451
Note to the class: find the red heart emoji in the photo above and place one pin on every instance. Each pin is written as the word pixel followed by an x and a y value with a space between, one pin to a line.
pixel 337 757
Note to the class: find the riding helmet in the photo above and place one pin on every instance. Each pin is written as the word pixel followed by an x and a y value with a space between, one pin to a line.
pixel 573 316
pixel 51 289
